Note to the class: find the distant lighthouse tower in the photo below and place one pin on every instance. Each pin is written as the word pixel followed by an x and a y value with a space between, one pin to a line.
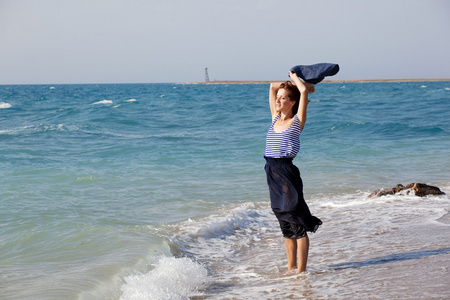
pixel 206 75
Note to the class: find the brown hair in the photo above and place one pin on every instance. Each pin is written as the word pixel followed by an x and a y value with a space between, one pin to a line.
pixel 293 93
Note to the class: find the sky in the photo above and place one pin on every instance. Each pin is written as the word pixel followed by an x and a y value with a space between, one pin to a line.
pixel 156 41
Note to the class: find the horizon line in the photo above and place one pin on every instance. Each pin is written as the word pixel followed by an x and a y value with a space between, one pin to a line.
pixel 249 81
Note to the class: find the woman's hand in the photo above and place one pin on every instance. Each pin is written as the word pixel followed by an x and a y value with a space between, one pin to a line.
pixel 302 86
pixel 310 88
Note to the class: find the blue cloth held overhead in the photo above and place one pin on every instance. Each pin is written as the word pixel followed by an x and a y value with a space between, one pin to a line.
pixel 315 73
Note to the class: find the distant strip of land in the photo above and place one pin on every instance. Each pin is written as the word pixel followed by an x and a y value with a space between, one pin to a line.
pixel 329 81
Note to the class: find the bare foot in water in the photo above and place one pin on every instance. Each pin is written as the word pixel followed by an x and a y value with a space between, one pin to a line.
pixel 290 272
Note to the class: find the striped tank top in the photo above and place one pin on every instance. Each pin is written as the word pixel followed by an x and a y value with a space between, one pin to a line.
pixel 285 143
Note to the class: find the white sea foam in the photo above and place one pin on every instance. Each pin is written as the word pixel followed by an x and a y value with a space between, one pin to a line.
pixel 40 128
pixel 131 100
pixel 86 179
pixel 5 105
pixel 103 102
pixel 52 127
pixel 171 278
pixel 221 224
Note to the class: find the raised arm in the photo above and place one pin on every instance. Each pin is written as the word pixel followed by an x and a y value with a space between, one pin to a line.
pixel 274 87
pixel 304 90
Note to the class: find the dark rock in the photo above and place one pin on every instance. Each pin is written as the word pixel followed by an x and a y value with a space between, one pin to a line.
pixel 420 189
pixel 384 192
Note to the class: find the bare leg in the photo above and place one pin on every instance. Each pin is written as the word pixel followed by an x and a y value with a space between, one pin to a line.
pixel 291 251
pixel 303 248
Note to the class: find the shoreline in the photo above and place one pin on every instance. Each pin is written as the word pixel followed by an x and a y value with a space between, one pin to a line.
pixel 324 81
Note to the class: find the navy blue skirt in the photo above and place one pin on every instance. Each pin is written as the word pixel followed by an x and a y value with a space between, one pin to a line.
pixel 286 193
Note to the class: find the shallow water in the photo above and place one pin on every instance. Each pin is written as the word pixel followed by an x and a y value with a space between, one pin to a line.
pixel 401 251
pixel 157 191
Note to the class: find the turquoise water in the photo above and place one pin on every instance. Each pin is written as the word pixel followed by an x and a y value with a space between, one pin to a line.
pixel 107 186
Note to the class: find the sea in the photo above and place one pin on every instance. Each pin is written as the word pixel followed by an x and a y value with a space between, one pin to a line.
pixel 158 191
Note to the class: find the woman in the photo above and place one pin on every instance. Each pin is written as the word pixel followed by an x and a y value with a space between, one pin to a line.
pixel 288 103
